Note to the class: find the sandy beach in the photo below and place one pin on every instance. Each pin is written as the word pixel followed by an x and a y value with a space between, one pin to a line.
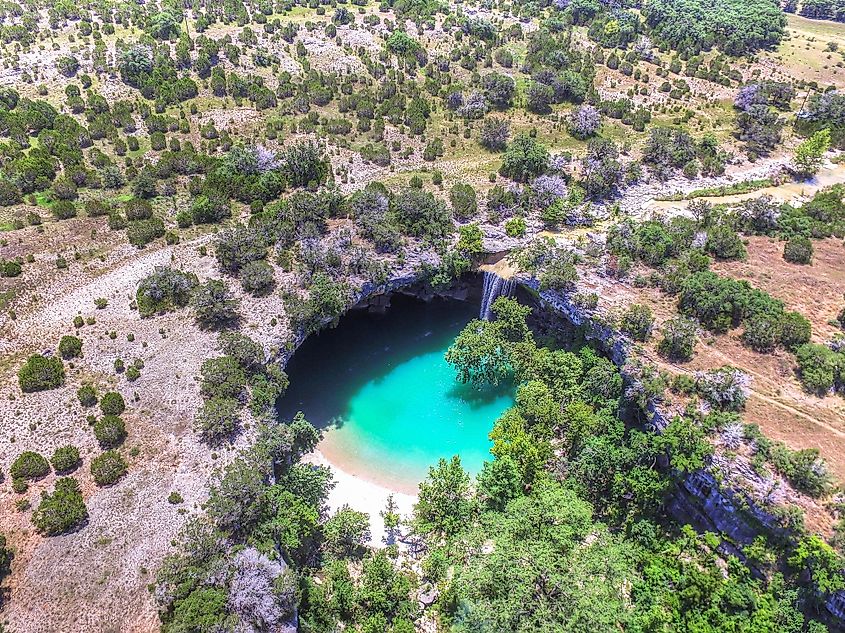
pixel 363 495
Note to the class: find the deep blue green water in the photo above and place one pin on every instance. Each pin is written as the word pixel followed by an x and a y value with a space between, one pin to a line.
pixel 388 401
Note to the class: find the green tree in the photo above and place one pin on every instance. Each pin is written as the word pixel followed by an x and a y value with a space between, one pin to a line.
pixel 61 511
pixel 107 468
pixel 524 159
pixel 110 431
pixel 41 373
pixel 809 155
pixel 478 354
pixel 346 533
pixel 445 502
pixel 112 403
pixel 70 347
pixel 213 304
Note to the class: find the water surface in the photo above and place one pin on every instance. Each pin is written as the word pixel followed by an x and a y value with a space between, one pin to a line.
pixel 388 401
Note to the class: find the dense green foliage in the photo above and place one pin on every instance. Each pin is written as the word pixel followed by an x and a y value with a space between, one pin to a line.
pixel 65 459
pixel 40 373
pixel 107 468
pixel 61 511
pixel 737 27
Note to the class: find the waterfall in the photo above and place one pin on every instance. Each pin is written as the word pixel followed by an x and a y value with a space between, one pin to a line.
pixel 494 287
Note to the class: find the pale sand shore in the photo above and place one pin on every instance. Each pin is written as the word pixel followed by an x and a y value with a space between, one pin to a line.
pixel 363 495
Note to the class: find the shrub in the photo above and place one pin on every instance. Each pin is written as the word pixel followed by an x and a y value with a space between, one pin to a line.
pixel 213 305
pixel 137 209
pixel 29 465
pixel 62 511
pixel 804 469
pixel 560 272
pixel 207 209
pixel 679 338
pixel 819 367
pixel 108 468
pixel 70 347
pixel 721 303
pixel 65 459
pixel 174 498
pixel 637 322
pixel 464 204
pixel 762 332
pixel 494 134
pixel 346 533
pixel 304 164
pixel 63 210
pixel 217 419
pixel 257 278
pixel 419 214
pixel 237 246
pixel 10 268
pixel 112 403
pixel 798 250
pixel 6 557
pixel 142 232
pixel 222 377
pixel 87 395
pixel 110 431
pixel 725 388
pixel 164 290
pixel 515 227
pixel 248 353
pixel 525 159
pixel 725 243
pixel 40 373
pixel 795 330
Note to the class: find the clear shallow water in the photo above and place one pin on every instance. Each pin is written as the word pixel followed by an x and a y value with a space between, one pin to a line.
pixel 388 401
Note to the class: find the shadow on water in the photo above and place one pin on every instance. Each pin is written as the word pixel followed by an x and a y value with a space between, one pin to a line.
pixel 330 367
pixel 474 397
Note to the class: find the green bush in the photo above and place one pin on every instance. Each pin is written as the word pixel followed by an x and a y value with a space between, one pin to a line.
pixel 164 290
pixel 637 321
pixel 110 431
pixel 725 243
pixel 819 367
pixel 65 459
pixel 217 419
pixel 142 232
pixel 62 511
pixel 112 403
pixel 515 227
pixel 679 338
pixel 525 159
pixel 798 250
pixel 70 347
pixel 29 465
pixel 10 268
pixel 6 557
pixel 40 373
pixel 721 303
pixel 248 353
pixel 213 304
pixel 795 330
pixel 108 468
pixel 63 210
pixel 222 377
pixel 762 332
pixel 463 199
pixel 257 278
pixel 87 395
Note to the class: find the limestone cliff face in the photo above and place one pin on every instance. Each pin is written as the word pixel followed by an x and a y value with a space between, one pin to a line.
pixel 708 502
